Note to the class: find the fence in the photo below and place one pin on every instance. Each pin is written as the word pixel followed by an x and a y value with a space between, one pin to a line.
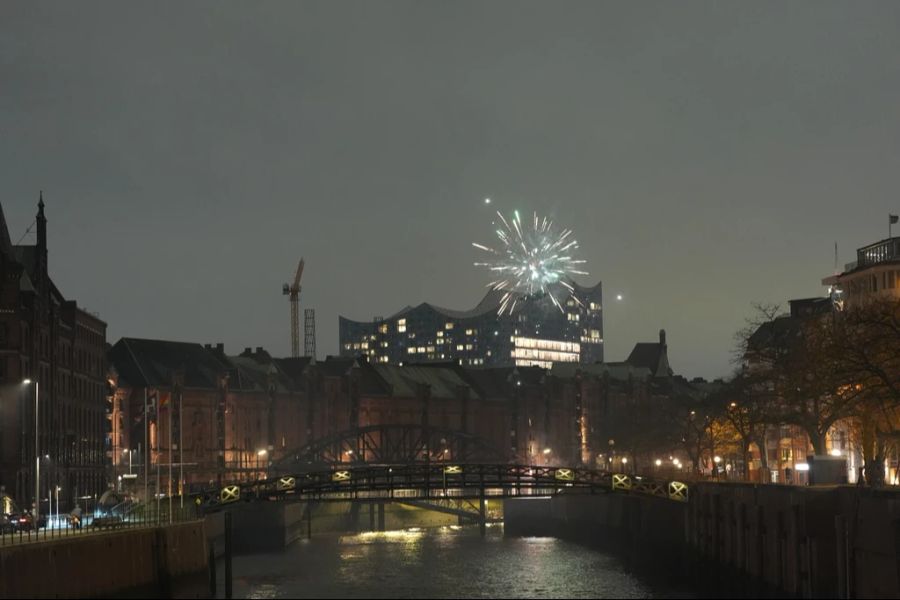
pixel 19 529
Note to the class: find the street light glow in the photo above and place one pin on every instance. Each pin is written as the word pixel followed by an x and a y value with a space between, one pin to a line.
pixel 546 450
pixel 262 452
pixel 26 382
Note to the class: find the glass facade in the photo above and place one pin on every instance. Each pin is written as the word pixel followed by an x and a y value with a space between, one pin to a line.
pixel 538 333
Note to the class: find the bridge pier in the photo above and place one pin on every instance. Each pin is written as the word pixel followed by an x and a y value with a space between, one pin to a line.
pixel 371 516
pixel 381 516
pixel 482 514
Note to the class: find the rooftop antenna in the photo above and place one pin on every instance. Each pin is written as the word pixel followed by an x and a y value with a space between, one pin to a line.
pixel 836 272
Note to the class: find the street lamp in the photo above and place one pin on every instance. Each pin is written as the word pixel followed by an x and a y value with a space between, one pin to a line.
pixel 57 505
pixel 37 454
pixel 259 455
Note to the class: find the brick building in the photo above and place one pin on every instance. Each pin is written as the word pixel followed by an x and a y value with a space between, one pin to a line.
pixel 208 415
pixel 61 349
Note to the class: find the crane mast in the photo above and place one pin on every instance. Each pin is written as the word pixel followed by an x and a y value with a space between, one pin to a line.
pixel 293 293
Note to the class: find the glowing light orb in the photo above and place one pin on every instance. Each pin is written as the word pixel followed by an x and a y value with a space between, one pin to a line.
pixel 532 260
pixel 619 297
pixel 487 200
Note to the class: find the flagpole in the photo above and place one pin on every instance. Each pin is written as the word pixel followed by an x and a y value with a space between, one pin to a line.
pixel 147 450
pixel 170 455
pixel 181 447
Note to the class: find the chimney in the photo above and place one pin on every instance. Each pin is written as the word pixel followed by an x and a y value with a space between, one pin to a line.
pixel 662 337
pixel 220 348
pixel 259 350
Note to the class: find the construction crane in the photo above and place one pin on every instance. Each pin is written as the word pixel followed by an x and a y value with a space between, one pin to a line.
pixel 293 291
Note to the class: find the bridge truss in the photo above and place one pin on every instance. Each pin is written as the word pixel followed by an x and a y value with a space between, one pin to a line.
pixel 390 444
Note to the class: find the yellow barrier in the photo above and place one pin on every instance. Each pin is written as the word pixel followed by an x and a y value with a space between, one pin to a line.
pixel 621 482
pixel 564 474
pixel 230 493
pixel 678 491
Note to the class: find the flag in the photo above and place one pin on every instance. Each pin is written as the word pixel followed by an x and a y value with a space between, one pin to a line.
pixel 151 405
pixel 893 219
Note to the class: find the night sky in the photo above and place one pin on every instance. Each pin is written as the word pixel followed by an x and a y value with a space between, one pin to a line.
pixel 707 155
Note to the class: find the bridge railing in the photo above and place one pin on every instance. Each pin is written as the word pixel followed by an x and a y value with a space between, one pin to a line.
pixel 424 481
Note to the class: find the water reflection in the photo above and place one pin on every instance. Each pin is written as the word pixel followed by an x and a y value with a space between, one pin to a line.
pixel 436 563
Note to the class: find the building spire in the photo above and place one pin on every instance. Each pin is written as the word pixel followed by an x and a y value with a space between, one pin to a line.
pixel 5 243
pixel 41 266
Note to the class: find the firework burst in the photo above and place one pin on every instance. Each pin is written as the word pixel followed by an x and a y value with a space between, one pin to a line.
pixel 531 261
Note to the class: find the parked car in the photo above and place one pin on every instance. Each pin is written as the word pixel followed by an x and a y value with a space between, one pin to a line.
pixel 5 524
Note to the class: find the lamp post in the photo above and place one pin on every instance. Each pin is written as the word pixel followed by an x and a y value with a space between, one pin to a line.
pixel 259 455
pixel 37 454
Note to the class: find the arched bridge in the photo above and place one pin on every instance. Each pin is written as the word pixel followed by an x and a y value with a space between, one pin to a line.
pixel 406 482
pixel 391 444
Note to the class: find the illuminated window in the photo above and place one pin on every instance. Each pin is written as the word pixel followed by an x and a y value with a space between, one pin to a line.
pixel 430 348
pixel 347 346
pixel 543 353
pixel 383 328
pixel 448 326
pixel 412 336
pixel 468 346
pixel 594 306
pixel 422 349
pixel 460 347
pixel 440 341
pixel 573 316
pixel 470 332
pixel 595 333
pixel 440 334
pixel 384 344
pixel 401 325
pixel 410 350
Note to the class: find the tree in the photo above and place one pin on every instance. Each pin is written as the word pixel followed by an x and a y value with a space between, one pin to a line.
pixel 865 352
pixel 747 408
pixel 791 360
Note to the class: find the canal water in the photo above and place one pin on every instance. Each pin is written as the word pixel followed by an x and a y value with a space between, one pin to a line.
pixel 449 562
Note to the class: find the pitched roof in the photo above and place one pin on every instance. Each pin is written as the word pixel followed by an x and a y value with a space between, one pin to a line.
pixel 5 243
pixel 154 363
pixel 617 371
pixel 444 382
pixel 653 356
pixel 251 374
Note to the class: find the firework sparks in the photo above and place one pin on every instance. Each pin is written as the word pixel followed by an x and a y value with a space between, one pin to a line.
pixel 532 260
